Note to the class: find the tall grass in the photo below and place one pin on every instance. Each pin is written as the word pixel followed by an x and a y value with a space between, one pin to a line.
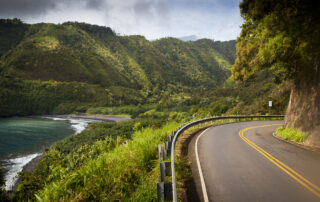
pixel 127 173
pixel 291 134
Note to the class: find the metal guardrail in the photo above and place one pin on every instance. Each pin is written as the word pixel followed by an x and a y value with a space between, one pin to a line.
pixel 168 190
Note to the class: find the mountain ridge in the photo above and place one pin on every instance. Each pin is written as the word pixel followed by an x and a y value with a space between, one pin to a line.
pixel 127 68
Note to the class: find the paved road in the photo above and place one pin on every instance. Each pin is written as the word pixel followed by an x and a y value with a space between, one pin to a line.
pixel 252 165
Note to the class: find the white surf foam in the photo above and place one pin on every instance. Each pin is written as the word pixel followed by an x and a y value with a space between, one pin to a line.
pixel 78 125
pixel 16 165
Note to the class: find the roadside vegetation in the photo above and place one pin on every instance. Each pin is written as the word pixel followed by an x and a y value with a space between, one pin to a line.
pixel 291 134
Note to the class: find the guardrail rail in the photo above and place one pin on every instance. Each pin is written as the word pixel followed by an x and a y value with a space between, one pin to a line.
pixel 167 191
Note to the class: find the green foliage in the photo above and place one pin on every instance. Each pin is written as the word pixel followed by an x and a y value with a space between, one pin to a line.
pixel 2 181
pixel 218 108
pixel 202 57
pixel 11 33
pixel 291 134
pixel 132 110
pixel 113 175
pixel 288 47
pixel 96 131
pixel 248 97
pixel 25 97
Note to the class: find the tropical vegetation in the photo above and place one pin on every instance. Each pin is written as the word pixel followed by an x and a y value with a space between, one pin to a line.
pixel 284 37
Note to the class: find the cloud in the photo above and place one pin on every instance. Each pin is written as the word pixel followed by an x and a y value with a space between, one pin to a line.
pixel 96 4
pixel 27 8
pixel 217 19
pixel 23 7
pixel 151 9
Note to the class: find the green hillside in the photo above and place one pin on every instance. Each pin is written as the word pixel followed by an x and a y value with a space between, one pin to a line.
pixel 79 65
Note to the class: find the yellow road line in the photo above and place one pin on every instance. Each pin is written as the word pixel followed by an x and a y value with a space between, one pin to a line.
pixel 296 176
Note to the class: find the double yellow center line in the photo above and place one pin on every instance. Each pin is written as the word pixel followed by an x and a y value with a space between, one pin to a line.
pixel 296 176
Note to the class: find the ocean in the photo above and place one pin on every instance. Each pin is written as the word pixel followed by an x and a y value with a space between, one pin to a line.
pixel 23 139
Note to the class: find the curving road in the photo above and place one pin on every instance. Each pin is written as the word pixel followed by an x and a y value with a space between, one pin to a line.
pixel 244 162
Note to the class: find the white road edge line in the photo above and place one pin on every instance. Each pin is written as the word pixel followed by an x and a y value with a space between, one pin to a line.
pixel 203 185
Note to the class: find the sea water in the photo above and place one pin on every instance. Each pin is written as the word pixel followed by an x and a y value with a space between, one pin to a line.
pixel 23 139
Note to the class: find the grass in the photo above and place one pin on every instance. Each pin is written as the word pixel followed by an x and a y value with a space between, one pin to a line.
pixel 119 175
pixel 291 134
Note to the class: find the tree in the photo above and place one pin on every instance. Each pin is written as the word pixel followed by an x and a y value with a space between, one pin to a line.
pixel 284 36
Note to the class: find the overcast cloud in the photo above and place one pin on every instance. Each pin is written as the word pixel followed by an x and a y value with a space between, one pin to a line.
pixel 215 19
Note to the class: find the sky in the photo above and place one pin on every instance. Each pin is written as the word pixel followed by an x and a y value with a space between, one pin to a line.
pixel 154 19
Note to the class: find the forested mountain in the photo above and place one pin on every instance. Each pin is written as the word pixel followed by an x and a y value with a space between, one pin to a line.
pixel 49 68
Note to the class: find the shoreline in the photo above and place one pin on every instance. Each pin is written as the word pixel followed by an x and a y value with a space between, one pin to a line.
pixel 31 166
pixel 89 117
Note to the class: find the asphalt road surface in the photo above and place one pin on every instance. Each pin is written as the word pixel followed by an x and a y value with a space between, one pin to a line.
pixel 245 162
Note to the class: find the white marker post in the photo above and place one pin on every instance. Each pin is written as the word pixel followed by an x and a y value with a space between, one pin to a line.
pixel 270 105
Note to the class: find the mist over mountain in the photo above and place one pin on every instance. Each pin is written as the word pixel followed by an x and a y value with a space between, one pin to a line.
pixel 189 38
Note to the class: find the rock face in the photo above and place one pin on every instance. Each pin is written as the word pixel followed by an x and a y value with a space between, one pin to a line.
pixel 303 111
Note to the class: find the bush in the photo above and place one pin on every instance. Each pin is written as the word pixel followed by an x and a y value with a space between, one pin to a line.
pixel 96 131
pixel 291 134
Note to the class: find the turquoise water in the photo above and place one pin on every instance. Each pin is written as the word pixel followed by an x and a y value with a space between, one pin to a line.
pixel 20 136
pixel 22 139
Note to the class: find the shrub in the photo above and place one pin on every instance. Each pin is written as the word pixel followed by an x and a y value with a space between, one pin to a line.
pixel 291 134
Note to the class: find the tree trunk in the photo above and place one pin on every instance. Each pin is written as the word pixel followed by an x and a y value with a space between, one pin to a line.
pixel 303 111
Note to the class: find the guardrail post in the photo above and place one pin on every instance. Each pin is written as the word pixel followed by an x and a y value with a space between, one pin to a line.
pixel 160 191
pixel 168 168
pixel 168 191
pixel 168 147
pixel 159 151
pixel 164 155
pixel 162 172
pixel 164 189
